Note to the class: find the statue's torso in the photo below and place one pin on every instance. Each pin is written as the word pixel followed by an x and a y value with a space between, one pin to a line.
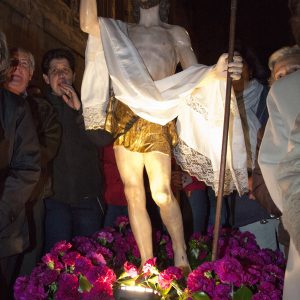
pixel 156 45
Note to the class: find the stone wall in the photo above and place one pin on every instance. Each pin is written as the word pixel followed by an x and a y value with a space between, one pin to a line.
pixel 40 25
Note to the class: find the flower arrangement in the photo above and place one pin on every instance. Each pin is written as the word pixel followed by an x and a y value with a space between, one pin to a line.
pixel 244 271
pixel 95 268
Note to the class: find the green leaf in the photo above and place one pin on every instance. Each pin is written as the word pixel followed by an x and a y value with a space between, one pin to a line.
pixel 129 282
pixel 195 252
pixel 165 292
pixel 243 293
pixel 84 284
pixel 153 280
pixel 124 275
pixel 200 296
pixel 52 288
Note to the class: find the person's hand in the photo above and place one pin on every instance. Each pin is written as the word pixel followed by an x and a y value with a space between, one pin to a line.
pixel 235 68
pixel 70 97
pixel 250 188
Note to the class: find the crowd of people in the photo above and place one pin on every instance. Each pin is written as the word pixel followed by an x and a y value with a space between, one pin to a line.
pixel 59 179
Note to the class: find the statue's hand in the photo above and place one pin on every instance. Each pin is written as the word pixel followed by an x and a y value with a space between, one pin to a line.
pixel 235 68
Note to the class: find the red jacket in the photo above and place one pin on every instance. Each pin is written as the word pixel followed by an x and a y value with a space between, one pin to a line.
pixel 113 185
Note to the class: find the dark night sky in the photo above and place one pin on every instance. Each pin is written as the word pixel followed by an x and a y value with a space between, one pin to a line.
pixel 260 24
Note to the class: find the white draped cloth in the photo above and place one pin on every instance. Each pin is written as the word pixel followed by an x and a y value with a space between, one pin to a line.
pixel 194 96
pixel 279 157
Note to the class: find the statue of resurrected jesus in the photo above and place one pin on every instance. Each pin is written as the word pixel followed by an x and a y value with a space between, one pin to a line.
pixel 139 61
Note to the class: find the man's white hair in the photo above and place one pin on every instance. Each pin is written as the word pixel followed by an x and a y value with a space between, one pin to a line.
pixel 282 53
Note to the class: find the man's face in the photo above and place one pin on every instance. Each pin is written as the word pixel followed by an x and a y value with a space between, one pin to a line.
pixel 20 73
pixel 59 73
pixel 286 66
pixel 145 4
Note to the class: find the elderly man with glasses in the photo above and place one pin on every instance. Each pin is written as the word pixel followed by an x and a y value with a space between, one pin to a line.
pixel 19 75
pixel 19 173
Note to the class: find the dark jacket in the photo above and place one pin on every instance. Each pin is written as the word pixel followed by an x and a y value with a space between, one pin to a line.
pixel 76 168
pixel 49 135
pixel 19 171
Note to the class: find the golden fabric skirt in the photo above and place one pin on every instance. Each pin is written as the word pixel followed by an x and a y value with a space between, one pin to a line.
pixel 143 136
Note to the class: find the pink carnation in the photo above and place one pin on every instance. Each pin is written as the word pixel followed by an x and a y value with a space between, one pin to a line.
pixel 130 269
pixel 148 267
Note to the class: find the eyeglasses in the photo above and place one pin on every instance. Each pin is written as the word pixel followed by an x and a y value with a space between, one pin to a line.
pixel 65 71
pixel 25 64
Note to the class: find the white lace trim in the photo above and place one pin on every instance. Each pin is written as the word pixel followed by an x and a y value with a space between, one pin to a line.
pixel 93 118
pixel 200 166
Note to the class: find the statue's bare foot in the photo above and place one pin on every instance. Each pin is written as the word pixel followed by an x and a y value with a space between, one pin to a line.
pixel 181 262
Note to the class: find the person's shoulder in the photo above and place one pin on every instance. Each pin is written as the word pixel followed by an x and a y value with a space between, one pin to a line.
pixel 289 81
pixel 11 98
pixel 179 33
pixel 40 100
pixel 174 28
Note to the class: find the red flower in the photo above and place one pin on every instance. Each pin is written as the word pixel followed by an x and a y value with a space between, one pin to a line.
pixel 130 269
pixel 149 266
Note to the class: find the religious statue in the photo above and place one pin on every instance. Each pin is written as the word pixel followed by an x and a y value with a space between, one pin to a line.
pixel 139 61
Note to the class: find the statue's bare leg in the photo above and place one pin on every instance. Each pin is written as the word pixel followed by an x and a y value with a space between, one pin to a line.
pixel 131 166
pixel 158 167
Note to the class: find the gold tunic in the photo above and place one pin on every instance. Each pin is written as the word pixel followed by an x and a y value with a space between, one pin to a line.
pixel 143 136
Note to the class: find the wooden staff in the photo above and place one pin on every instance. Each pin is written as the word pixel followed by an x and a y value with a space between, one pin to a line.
pixel 225 133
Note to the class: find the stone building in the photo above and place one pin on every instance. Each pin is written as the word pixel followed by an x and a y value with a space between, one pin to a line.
pixel 39 25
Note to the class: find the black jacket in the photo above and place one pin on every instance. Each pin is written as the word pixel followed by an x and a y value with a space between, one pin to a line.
pixel 19 171
pixel 76 168
pixel 49 135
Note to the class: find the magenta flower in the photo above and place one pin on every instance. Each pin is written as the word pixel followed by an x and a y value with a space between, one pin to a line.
pixel 52 261
pixel 24 289
pixel 82 265
pixel 100 291
pixel 84 244
pixel 166 277
pixel 101 273
pixel 69 258
pixel 122 222
pixel 222 292
pixel 43 275
pixel 82 270
pixel 60 248
pixel 104 237
pixel 67 287
pixel 96 258
pixel 202 279
pixel 229 270
pixel 31 292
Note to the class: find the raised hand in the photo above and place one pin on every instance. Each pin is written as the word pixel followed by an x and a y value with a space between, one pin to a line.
pixel 70 97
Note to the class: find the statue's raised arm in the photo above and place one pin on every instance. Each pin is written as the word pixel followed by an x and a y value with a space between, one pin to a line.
pixel 88 17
